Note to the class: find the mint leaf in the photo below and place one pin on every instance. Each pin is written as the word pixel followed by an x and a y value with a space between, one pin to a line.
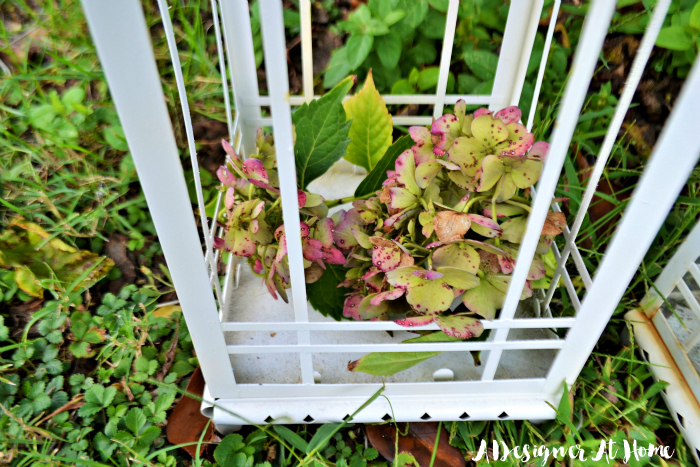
pixel 373 181
pixel 322 133
pixel 324 294
pixel 388 48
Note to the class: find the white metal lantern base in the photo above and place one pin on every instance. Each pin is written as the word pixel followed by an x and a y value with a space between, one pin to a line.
pixel 264 361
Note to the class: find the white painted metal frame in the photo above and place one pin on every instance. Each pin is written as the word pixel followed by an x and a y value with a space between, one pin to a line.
pixel 121 36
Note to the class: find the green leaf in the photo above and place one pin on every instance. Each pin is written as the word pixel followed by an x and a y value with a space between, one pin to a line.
pixel 114 136
pixel 27 281
pixel 390 363
pixel 321 134
pixel 434 25
pixel 371 127
pixel 338 68
pixel 695 17
pixel 375 27
pixel 373 181
pixel 393 17
pixel 322 436
pixel 388 48
pixel 416 10
pixel 358 48
pixel 402 86
pixel 483 64
pixel 225 452
pixel 674 38
pixel 324 294
pixel 4 330
pixel 135 420
pixel 292 438
pixel 428 78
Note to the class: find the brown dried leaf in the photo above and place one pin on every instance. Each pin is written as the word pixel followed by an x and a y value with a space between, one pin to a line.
pixel 313 273
pixel 554 224
pixel 450 225
pixel 186 422
pixel 419 442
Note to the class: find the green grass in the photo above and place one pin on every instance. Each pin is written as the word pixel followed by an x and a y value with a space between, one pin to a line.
pixel 64 165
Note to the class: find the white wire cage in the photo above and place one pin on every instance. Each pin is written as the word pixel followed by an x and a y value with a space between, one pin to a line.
pixel 267 362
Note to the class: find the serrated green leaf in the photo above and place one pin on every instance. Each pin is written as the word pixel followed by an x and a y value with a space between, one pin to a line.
pixel 416 10
pixel 388 48
pixel 373 181
pixel 79 349
pixel 358 48
pixel 321 134
pixel 135 420
pixel 325 295
pixel 371 129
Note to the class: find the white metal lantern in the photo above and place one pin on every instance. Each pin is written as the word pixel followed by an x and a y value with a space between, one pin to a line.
pixel 267 362
pixel 668 334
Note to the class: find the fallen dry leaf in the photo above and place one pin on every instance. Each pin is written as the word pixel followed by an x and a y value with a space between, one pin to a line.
pixel 554 224
pixel 186 423
pixel 419 442
pixel 450 225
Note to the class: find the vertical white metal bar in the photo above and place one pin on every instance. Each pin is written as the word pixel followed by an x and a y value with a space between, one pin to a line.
pixel 636 72
pixel 446 57
pixel 222 66
pixel 123 44
pixel 307 62
pixel 543 64
pixel 673 159
pixel 187 119
pixel 241 59
pixel 521 27
pixel 276 68
pixel 594 31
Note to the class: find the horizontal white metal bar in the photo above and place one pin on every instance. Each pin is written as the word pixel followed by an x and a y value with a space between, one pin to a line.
pixel 397 120
pixel 525 387
pixel 539 323
pixel 421 347
pixel 408 408
pixel 390 99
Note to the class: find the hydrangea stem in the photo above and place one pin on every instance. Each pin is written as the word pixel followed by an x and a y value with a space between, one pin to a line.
pixel 349 199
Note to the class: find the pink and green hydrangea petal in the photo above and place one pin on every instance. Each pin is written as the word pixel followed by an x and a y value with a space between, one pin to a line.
pixel 489 131
pixel 503 210
pixel 460 326
pixel 447 128
pixel 428 297
pixel 427 275
pixel 230 198
pixel 420 134
pixel 401 277
pixel 469 183
pixel 311 248
pixel 517 143
pixel 226 177
pixel 346 221
pixel 509 115
pixel 231 153
pixel 506 189
pixel 401 198
pixel 368 311
pixel 388 295
pixel 426 173
pixel 324 232
pixel 459 278
pixel 386 258
pixel 351 307
pixel 467 153
pixel 481 111
pixel 484 300
pixel 514 229
pixel 332 255
pixel 239 242
pixel 539 151
pixel 491 171
pixel 485 226
pixel 414 321
pixel 406 171
pixel 526 173
pixel 456 255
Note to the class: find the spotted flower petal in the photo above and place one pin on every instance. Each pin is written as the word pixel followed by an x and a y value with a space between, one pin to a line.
pixel 406 171
pixel 351 307
pixel 461 326
pixel 485 226
pixel 401 198
pixel 385 254
pixel 539 151
pixel 388 295
pixel 509 115
pixel 226 177
pixel 415 321
pixel 447 128
pixel 344 223
pixel 459 278
pixel 456 255
pixel 426 173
